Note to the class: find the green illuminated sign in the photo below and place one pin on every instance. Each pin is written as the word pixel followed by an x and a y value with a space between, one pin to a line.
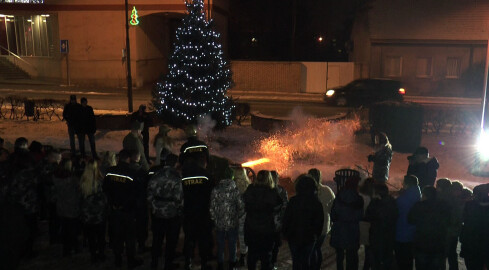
pixel 134 17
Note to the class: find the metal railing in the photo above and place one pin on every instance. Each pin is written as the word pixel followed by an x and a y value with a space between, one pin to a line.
pixel 15 55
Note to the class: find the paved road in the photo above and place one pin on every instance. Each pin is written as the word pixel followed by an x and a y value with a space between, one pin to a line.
pixel 116 99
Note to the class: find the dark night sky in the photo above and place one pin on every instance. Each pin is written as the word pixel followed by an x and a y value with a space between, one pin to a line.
pixel 271 23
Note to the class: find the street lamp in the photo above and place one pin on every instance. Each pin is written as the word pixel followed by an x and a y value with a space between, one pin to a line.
pixel 128 62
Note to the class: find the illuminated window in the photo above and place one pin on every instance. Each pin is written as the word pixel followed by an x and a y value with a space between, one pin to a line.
pixel 393 66
pixel 453 67
pixel 424 67
pixel 23 1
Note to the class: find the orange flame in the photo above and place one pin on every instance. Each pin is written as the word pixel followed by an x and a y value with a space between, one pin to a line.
pixel 255 162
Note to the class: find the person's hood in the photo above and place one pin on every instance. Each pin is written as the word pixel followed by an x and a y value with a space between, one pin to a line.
pixel 226 183
pixel 350 197
pixel 306 187
pixel 413 193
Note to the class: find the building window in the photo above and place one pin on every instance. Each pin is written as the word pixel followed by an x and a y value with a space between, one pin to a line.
pixel 27 35
pixel 393 66
pixel 453 68
pixel 424 67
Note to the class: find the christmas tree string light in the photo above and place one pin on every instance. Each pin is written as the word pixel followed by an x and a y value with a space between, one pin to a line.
pixel 198 76
pixel 134 17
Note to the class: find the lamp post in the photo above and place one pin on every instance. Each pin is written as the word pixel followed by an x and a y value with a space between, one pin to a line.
pixel 128 62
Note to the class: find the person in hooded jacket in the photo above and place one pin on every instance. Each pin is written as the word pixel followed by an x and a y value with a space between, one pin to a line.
pixel 278 217
pixel 457 204
pixel 133 142
pixel 431 218
pixel 303 222
pixel 326 197
pixel 404 248
pixel 381 158
pixel 93 210
pixel 262 202
pixel 346 214
pixel 242 182
pixel 165 196
pixel 366 190
pixel 382 214
pixel 475 232
pixel 163 144
pixel 68 198
pixel 226 208
pixel 424 167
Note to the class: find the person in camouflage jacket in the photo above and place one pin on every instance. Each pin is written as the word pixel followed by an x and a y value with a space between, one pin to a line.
pixel 165 197
pixel 22 190
pixel 226 207
pixel 93 212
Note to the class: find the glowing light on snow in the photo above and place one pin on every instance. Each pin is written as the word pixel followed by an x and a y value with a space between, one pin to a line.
pixel 307 140
pixel 255 162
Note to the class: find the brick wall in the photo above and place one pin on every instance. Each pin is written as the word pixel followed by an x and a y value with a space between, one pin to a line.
pixel 266 76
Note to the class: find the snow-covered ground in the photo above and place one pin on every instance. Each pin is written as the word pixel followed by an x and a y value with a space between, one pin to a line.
pixel 336 147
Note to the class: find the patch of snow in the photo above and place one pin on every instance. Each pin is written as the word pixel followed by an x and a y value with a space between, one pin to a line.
pixel 238 143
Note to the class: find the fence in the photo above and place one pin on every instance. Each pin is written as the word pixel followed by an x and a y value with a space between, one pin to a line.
pixel 17 107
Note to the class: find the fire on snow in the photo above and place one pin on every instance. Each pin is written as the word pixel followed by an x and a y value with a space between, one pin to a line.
pixel 308 140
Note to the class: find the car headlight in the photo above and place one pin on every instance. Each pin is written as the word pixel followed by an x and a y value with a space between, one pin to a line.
pixel 330 93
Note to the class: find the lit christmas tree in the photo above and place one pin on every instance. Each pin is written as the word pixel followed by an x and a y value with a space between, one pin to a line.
pixel 198 75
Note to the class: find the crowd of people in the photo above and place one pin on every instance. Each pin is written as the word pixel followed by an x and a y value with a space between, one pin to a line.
pixel 119 197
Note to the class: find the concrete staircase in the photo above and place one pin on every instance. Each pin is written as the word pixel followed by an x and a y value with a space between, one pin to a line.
pixel 9 71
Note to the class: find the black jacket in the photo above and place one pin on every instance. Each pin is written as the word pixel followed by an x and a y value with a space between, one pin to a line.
pixel 425 170
pixel 475 231
pixel 71 112
pixel 346 214
pixel 197 188
pixel 382 215
pixel 431 218
pixel 145 119
pixel 261 205
pixel 122 184
pixel 195 149
pixel 303 219
pixel 85 122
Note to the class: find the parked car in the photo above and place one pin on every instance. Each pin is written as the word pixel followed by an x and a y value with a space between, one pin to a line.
pixel 363 92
